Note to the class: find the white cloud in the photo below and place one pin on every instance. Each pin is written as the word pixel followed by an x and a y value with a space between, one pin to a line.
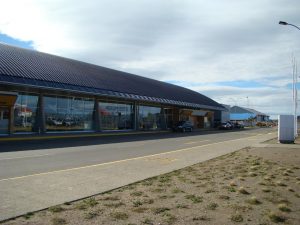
pixel 185 41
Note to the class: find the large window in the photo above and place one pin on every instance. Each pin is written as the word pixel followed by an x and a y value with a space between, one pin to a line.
pixel 68 113
pixel 25 111
pixel 116 116
pixel 150 118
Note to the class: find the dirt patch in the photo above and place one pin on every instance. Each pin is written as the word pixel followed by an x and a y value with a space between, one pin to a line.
pixel 251 186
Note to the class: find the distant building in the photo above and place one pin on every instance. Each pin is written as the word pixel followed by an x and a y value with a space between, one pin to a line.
pixel 252 116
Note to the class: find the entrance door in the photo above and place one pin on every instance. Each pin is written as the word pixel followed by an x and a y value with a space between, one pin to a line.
pixel 4 120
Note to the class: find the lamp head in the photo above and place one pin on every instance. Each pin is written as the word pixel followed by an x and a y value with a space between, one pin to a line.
pixel 283 23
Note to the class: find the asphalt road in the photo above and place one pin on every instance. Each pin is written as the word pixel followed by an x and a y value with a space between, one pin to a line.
pixel 25 158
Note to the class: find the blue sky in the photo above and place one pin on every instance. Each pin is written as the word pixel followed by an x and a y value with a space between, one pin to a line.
pixel 12 41
pixel 233 51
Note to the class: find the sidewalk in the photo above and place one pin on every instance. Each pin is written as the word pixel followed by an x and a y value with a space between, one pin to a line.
pixel 21 195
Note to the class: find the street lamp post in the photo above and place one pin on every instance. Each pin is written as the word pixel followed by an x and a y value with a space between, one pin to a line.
pixel 285 23
pixel 295 95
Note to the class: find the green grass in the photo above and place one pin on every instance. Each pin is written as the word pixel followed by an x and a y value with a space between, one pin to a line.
pixel 231 189
pixel 91 202
pixel 194 198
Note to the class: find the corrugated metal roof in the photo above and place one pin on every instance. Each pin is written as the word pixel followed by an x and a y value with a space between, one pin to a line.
pixel 33 68
pixel 241 116
pixel 239 109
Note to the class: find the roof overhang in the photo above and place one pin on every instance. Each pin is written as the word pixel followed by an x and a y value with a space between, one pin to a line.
pixel 98 92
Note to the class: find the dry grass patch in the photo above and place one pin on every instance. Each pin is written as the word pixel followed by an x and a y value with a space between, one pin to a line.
pixel 238 218
pixel 160 210
pixel 242 190
pixel 212 206
pixel 58 221
pixel 194 198
pixel 119 215
pixel 56 209
pixel 253 201
pixel 276 217
pixel 284 208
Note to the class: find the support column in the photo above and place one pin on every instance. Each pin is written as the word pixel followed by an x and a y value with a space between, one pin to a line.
pixel 212 121
pixel 40 121
pixel 163 119
pixel 11 120
pixel 135 116
pixel 96 117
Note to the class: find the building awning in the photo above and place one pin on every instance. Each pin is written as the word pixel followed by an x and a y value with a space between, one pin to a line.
pixel 199 113
pixel 8 99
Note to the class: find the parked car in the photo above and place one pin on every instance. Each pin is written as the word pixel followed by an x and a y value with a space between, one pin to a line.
pixel 183 126
pixel 226 126
pixel 238 125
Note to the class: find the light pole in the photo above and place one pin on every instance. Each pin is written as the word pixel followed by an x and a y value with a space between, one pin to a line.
pixel 295 95
pixel 285 23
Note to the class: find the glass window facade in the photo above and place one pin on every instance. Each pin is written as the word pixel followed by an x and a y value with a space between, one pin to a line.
pixel 149 118
pixel 25 112
pixel 116 116
pixel 68 113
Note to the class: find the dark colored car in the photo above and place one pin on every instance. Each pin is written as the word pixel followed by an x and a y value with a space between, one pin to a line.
pixel 238 125
pixel 226 126
pixel 183 126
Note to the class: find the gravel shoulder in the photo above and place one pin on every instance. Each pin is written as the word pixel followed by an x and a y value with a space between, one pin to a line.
pixel 250 186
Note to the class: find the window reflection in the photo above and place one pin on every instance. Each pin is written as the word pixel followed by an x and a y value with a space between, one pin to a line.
pixel 150 118
pixel 25 111
pixel 116 116
pixel 68 114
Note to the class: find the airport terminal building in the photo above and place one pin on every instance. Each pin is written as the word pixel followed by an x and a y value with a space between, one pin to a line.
pixel 42 93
